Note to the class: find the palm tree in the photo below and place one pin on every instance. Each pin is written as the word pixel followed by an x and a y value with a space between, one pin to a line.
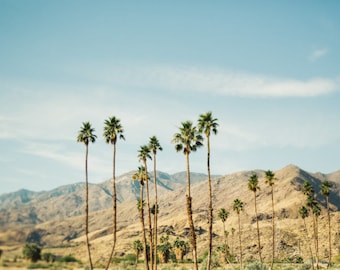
pixel 326 187
pixel 180 247
pixel 189 140
pixel 223 215
pixel 154 146
pixel 138 248
pixel 238 208
pixel 86 135
pixel 269 180
pixel 142 176
pixel 208 124
pixel 232 240
pixel 113 130
pixel 253 185
pixel 304 213
pixel 143 155
pixel 316 212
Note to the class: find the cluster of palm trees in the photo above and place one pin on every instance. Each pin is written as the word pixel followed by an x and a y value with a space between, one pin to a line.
pixel 313 206
pixel 253 185
pixel 188 140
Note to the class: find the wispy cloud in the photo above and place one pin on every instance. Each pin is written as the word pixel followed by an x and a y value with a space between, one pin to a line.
pixel 218 81
pixel 317 54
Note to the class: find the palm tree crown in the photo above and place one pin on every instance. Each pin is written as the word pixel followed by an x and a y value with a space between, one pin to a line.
pixel 154 145
pixel 223 214
pixel 86 134
pixel 253 183
pixel 270 177
pixel 112 130
pixel 144 153
pixel 188 139
pixel 303 212
pixel 238 206
pixel 307 188
pixel 140 175
pixel 326 187
pixel 206 124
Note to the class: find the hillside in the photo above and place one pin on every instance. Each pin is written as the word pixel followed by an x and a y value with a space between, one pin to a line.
pixel 54 218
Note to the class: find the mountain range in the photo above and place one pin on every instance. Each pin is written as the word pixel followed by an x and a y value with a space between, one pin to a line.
pixel 54 218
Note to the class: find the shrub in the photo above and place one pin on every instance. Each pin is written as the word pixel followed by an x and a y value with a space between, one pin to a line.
pixel 31 252
pixel 256 266
pixel 68 258
pixel 48 257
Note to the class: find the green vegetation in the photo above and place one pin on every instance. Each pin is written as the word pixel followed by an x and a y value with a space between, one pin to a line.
pixel 31 252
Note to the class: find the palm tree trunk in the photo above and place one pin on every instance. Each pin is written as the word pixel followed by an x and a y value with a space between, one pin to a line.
pixel 225 243
pixel 149 217
pixel 309 244
pixel 141 216
pixel 273 229
pixel 315 245
pixel 189 213
pixel 258 230
pixel 210 217
pixel 239 232
pixel 87 208
pixel 329 232
pixel 114 206
pixel 156 213
pixel 316 242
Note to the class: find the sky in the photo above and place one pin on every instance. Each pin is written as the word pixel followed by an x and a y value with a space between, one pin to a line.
pixel 269 71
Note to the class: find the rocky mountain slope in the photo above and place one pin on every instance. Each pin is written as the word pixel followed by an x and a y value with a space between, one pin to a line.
pixel 54 219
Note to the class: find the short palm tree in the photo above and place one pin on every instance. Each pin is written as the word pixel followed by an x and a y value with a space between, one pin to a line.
pixel 189 140
pixel 154 146
pixel 223 215
pixel 138 248
pixel 86 135
pixel 142 176
pixel 112 131
pixel 180 247
pixel 253 185
pixel 326 187
pixel 144 155
pixel 304 213
pixel 269 180
pixel 238 208
pixel 207 124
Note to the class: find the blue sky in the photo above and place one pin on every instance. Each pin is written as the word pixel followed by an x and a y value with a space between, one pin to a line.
pixel 268 70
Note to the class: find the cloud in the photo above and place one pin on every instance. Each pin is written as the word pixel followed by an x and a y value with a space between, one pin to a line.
pixel 317 54
pixel 217 81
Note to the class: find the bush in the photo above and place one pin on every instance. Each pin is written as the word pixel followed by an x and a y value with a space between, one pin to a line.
pixel 31 252
pixel 48 257
pixel 68 258
pixel 256 266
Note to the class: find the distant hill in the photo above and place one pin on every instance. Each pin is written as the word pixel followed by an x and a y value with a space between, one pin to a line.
pixel 54 218
pixel 29 207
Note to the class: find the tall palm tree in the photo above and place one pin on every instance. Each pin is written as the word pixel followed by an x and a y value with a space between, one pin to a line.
pixel 142 176
pixel 154 146
pixel 112 131
pixel 223 215
pixel 253 185
pixel 316 212
pixel 238 208
pixel 144 155
pixel 326 187
pixel 189 140
pixel 269 180
pixel 208 124
pixel 304 213
pixel 86 135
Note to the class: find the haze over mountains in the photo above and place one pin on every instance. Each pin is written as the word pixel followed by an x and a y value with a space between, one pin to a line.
pixel 55 218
